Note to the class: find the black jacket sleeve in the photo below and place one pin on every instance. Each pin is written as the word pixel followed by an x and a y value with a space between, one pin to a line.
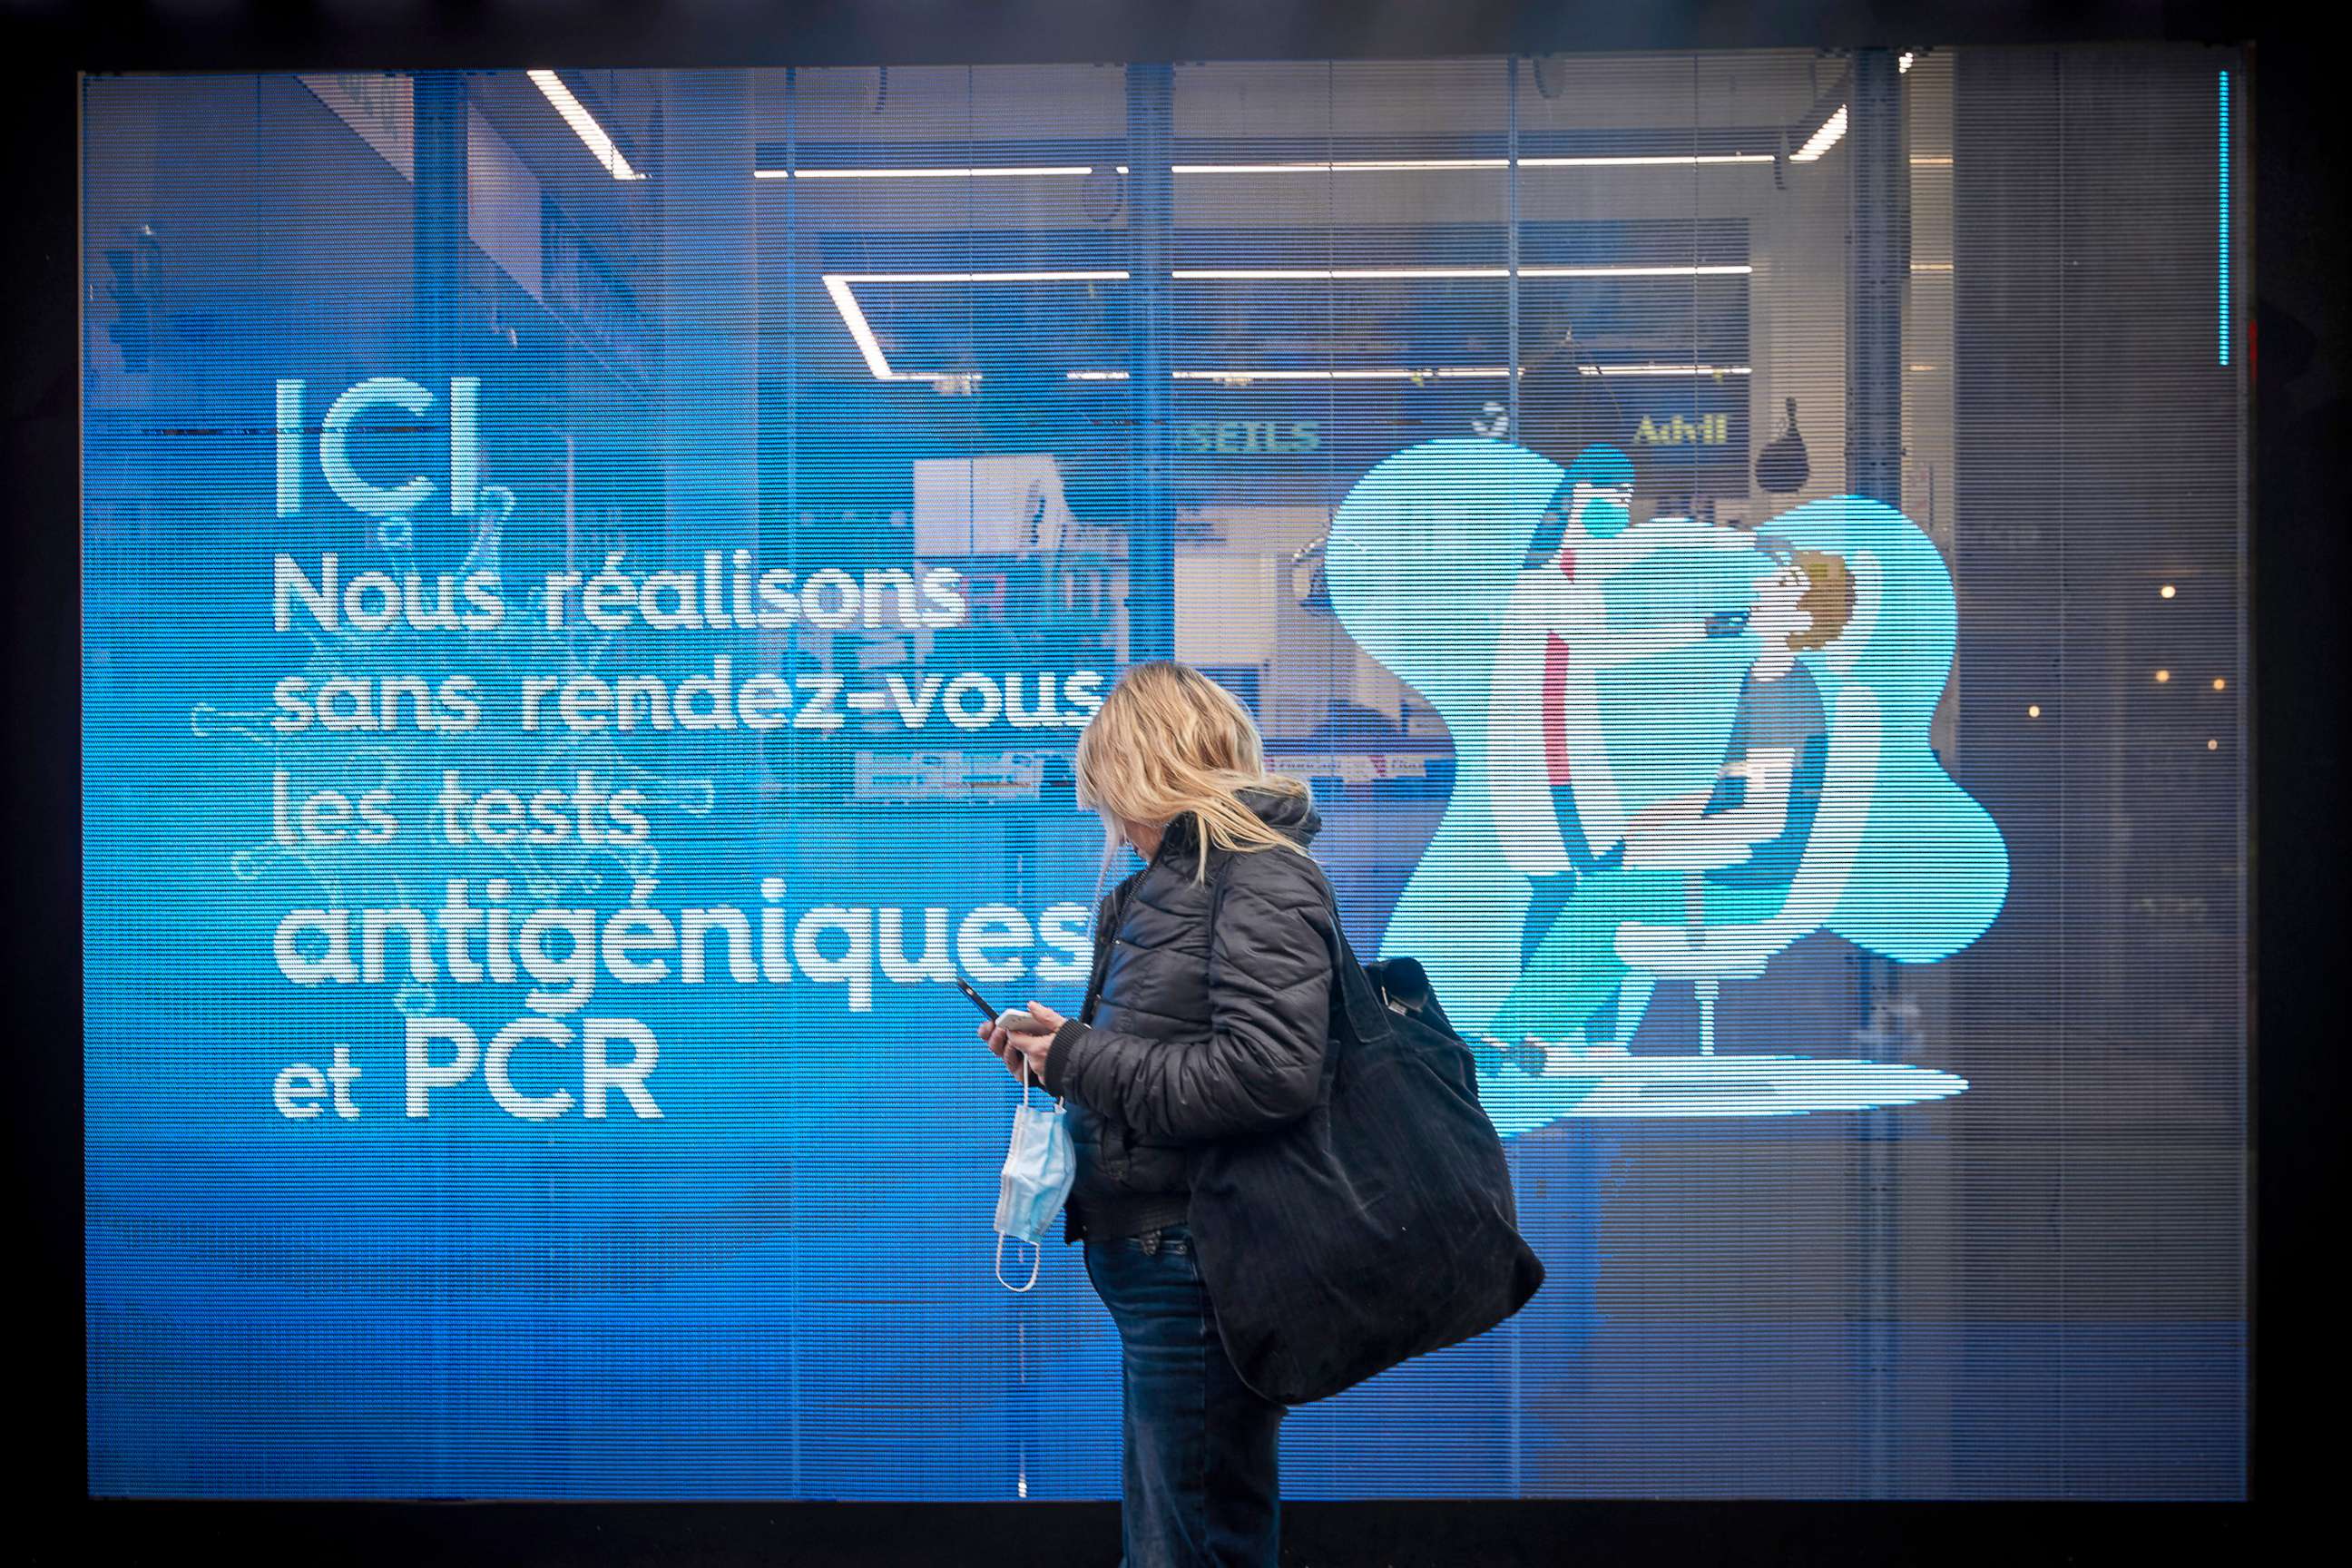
pixel 1260 1064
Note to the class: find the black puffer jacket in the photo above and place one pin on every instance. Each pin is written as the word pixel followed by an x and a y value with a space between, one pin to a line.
pixel 1190 1034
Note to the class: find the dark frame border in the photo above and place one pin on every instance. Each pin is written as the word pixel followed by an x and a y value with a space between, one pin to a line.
pixel 2297 342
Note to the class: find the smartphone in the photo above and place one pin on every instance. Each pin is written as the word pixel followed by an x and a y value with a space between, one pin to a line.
pixel 1016 1019
pixel 977 999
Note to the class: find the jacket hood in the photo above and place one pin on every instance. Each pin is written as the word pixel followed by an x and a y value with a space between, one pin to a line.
pixel 1294 816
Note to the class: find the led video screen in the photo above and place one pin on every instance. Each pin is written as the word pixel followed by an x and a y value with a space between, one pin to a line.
pixel 592 581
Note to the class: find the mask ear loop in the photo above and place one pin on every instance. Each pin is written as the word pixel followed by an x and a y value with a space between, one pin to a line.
pixel 1033 1264
pixel 1037 1261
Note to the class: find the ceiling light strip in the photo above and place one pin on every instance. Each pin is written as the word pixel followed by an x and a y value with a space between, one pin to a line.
pixel 1665 369
pixel 583 124
pixel 1315 274
pixel 1107 275
pixel 1345 166
pixel 861 332
pixel 1010 171
pixel 1435 372
pixel 1822 140
pixel 1335 166
pixel 1669 160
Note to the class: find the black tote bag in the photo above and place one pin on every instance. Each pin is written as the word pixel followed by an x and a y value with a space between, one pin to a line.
pixel 1380 1226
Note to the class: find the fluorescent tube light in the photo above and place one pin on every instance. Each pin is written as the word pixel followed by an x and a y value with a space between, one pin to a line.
pixel 1326 274
pixel 1339 166
pixel 1726 270
pixel 861 332
pixel 1434 372
pixel 1316 274
pixel 1822 140
pixel 1664 369
pixel 1662 160
pixel 1345 166
pixel 1107 275
pixel 1009 171
pixel 583 124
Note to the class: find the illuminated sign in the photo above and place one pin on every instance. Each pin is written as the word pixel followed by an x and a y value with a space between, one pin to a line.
pixel 1706 430
pixel 1249 437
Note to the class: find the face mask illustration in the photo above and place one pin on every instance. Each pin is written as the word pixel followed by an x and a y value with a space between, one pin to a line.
pixel 1605 519
pixel 1039 1168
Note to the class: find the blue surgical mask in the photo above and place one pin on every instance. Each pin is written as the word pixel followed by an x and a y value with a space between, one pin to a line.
pixel 1038 1171
pixel 1605 519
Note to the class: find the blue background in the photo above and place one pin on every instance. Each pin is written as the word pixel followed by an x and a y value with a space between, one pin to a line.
pixel 783 1288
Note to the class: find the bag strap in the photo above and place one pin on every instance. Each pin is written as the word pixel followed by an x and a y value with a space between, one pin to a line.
pixel 1355 1000
pixel 1354 993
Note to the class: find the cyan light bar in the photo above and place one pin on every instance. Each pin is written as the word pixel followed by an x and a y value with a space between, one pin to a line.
pixel 2225 218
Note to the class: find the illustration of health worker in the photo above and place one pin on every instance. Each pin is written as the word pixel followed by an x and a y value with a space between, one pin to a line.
pixel 1748 827
pixel 1595 595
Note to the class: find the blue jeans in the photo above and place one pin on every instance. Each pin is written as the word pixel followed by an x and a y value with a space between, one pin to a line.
pixel 1199 1471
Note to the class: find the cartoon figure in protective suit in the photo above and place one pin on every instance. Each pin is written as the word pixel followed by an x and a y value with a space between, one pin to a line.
pixel 1725 853
pixel 1581 607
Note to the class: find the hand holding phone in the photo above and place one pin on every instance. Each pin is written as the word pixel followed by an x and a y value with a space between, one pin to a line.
pixel 1020 1036
pixel 1012 1020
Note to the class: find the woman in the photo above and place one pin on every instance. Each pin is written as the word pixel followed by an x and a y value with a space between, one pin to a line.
pixel 1191 1030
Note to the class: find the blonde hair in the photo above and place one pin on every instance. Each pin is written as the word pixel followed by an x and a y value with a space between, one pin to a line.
pixel 1166 743
pixel 1828 598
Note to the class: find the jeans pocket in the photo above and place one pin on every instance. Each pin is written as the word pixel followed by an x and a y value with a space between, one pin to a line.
pixel 1165 1239
pixel 1172 1249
